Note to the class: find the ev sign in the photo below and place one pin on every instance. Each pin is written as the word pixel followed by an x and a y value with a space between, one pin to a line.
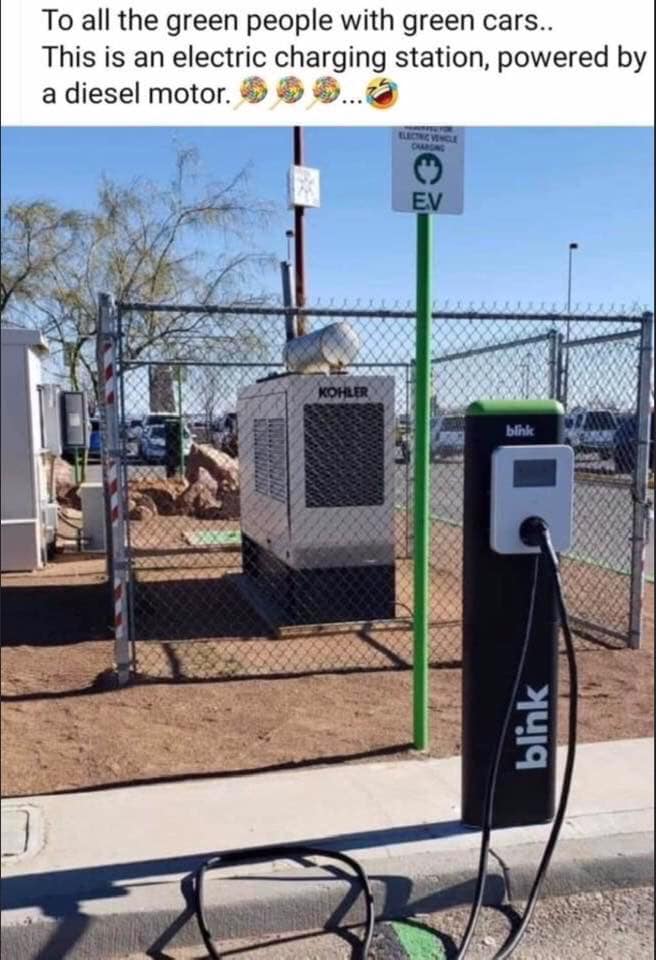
pixel 428 169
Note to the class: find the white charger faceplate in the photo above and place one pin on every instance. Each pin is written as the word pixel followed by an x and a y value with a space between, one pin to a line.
pixel 531 481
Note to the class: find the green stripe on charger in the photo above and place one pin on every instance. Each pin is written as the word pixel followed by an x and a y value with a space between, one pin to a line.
pixel 514 408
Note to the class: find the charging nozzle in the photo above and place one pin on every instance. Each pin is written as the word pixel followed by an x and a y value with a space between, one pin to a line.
pixel 532 531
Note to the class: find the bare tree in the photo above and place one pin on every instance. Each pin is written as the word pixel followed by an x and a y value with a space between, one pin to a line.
pixel 210 394
pixel 144 243
pixel 36 238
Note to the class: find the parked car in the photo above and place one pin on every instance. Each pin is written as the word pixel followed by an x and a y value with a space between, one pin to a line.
pixel 592 431
pixel 402 439
pixel 156 419
pixel 153 443
pixel 134 429
pixel 94 449
pixel 625 445
pixel 448 437
pixel 225 436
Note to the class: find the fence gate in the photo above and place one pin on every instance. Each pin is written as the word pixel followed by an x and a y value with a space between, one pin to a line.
pixel 190 612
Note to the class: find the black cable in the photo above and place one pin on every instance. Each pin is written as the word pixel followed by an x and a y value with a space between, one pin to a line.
pixel 547 549
pixel 289 852
pixel 536 533
pixel 491 787
pixel 67 521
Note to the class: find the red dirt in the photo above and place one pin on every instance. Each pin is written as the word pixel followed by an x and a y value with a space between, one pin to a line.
pixel 64 727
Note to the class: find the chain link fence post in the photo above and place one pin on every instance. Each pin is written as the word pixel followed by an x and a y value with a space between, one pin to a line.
pixel 555 353
pixel 107 378
pixel 640 531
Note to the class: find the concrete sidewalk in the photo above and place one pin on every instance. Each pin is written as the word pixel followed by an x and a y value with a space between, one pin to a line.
pixel 102 874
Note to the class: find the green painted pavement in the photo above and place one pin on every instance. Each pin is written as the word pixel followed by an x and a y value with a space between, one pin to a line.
pixel 419 943
pixel 220 538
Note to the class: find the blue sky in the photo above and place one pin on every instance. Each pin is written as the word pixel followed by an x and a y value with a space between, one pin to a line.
pixel 528 193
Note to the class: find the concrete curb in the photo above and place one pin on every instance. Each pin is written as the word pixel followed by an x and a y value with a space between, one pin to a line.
pixel 254 904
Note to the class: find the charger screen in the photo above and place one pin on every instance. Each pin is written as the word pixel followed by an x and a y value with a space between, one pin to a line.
pixel 534 473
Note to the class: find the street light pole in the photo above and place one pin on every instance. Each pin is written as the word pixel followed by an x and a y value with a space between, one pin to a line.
pixel 572 248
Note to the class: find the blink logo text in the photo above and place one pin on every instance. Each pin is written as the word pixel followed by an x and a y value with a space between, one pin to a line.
pixel 519 431
pixel 532 736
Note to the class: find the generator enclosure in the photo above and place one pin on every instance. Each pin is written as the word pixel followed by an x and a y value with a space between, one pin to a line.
pixel 316 457
pixel 496 594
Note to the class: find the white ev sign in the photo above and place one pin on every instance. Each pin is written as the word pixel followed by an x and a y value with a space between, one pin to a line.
pixel 428 169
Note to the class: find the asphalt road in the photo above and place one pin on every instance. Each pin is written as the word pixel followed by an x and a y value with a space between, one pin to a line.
pixel 602 926
pixel 602 518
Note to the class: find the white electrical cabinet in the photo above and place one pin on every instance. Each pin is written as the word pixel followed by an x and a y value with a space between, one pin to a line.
pixel 92 497
pixel 25 500
pixel 50 396
pixel 316 455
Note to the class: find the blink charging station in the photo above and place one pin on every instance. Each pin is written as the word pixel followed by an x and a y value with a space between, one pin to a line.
pixel 518 496
pixel 516 468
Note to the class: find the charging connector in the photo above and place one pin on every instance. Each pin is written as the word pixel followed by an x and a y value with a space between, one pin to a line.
pixel 532 530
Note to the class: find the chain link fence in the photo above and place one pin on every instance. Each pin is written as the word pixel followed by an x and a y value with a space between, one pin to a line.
pixel 268 518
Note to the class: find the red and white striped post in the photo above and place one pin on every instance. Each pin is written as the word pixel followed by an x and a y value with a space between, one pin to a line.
pixel 107 357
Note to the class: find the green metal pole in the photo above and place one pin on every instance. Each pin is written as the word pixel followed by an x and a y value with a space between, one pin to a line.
pixel 422 481
pixel 182 463
pixel 76 466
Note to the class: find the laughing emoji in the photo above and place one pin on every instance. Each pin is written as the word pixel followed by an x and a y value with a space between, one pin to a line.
pixel 382 93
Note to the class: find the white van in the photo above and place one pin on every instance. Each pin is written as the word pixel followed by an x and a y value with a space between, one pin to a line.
pixel 592 431
pixel 449 436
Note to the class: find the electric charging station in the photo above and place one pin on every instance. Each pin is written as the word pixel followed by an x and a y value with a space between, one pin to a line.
pixel 516 467
pixel 518 509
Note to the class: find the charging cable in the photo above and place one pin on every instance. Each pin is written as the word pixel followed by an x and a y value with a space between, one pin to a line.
pixel 491 787
pixel 533 532
pixel 287 852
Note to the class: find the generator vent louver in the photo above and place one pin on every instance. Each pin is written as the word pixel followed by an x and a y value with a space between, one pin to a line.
pixel 344 454
pixel 270 458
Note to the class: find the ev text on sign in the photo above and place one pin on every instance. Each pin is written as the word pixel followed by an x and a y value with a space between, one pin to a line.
pixel 428 169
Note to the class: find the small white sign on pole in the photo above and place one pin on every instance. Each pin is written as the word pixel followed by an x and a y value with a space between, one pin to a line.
pixel 428 169
pixel 304 187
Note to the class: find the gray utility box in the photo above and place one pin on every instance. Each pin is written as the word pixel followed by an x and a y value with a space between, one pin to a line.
pixel 24 482
pixel 74 420
pixel 316 455
pixel 93 516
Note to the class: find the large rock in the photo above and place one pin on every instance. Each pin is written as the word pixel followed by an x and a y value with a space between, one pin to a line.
pixel 222 468
pixel 198 501
pixel 205 479
pixel 63 474
pixel 63 480
pixel 163 494
pixel 142 507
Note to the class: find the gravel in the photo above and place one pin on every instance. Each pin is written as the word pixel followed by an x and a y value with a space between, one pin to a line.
pixel 616 925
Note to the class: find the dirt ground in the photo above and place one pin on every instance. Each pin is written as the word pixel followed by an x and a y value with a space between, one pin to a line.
pixel 65 727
